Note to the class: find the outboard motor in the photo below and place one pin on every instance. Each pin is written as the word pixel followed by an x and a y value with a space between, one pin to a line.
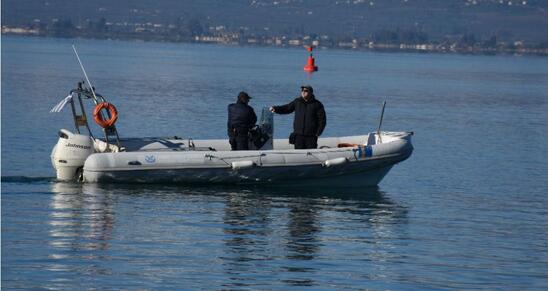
pixel 70 153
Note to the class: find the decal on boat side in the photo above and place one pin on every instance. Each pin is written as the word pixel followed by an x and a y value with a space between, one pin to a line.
pixel 365 151
pixel 368 151
pixel 150 159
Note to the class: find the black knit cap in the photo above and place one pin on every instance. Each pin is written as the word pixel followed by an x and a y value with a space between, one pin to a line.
pixel 308 87
pixel 243 95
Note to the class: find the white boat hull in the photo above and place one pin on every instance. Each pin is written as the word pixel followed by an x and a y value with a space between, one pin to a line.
pixel 350 166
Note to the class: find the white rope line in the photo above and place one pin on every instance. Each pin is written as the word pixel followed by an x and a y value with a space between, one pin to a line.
pixel 223 159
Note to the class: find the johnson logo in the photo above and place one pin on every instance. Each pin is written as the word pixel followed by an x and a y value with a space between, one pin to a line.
pixel 78 146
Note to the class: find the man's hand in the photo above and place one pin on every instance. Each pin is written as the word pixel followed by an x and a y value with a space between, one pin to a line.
pixel 272 109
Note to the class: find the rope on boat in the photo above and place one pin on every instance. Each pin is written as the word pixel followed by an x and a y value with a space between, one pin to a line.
pixel 259 156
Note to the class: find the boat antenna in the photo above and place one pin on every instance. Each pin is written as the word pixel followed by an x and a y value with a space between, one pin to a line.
pixel 380 122
pixel 84 70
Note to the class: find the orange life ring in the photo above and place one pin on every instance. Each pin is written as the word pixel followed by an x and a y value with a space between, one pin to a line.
pixel 347 145
pixel 113 113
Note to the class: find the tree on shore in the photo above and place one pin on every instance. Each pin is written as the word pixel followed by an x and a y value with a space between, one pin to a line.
pixel 62 28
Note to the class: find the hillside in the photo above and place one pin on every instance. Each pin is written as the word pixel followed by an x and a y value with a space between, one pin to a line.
pixel 507 20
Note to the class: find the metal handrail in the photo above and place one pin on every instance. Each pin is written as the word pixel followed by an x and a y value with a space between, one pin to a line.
pixel 82 120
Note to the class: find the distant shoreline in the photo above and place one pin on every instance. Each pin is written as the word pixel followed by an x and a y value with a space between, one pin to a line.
pixel 427 48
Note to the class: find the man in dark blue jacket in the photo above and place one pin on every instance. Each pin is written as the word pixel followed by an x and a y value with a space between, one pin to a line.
pixel 241 118
pixel 309 121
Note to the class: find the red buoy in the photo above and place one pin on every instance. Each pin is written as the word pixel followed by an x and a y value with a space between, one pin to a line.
pixel 310 66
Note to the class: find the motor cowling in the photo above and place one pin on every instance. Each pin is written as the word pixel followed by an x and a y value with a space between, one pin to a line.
pixel 70 153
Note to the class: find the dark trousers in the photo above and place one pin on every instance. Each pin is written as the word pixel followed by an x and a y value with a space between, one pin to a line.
pixel 239 140
pixel 306 142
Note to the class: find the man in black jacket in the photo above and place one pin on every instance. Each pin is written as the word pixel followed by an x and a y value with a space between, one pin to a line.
pixel 241 118
pixel 309 121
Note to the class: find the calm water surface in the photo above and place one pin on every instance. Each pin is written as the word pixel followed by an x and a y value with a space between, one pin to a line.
pixel 467 211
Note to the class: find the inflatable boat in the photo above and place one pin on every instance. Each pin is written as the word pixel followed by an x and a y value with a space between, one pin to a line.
pixel 361 160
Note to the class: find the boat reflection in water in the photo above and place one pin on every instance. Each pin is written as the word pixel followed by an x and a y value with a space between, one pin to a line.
pixel 81 225
pixel 300 229
pixel 235 233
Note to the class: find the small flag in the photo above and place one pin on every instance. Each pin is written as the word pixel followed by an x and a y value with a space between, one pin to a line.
pixel 60 105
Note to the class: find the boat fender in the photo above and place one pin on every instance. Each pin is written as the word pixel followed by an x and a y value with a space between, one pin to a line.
pixel 335 162
pixel 240 165
pixel 113 113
